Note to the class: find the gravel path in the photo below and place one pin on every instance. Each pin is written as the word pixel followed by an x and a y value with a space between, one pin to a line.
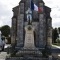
pixel 3 55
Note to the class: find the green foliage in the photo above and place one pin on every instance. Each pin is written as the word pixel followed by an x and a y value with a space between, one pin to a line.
pixel 59 29
pixel 58 40
pixel 5 30
pixel 9 40
pixel 57 44
pixel 54 35
pixel 0 28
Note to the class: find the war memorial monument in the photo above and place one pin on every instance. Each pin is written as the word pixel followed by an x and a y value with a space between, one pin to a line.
pixel 31 32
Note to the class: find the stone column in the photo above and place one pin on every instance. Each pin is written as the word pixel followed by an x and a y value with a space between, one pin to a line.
pixel 0 34
pixel 20 25
pixel 21 8
pixel 13 31
pixel 20 30
pixel 49 33
pixel 41 26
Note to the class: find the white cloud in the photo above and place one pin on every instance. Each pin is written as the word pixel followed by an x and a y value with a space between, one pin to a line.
pixel 55 13
pixel 6 11
pixel 7 5
pixel 56 22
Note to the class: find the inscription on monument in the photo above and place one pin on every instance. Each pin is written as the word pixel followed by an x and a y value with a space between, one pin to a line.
pixel 29 37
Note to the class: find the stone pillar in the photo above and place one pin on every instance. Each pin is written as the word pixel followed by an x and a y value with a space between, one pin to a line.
pixel 20 30
pixel 13 31
pixel 0 35
pixel 21 8
pixel 41 26
pixel 20 23
pixel 49 32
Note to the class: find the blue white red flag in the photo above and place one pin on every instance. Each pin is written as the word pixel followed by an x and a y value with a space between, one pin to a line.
pixel 35 7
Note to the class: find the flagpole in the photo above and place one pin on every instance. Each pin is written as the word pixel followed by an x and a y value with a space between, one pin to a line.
pixel 30 4
pixel 30 10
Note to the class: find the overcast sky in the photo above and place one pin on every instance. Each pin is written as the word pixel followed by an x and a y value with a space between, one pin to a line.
pixel 7 5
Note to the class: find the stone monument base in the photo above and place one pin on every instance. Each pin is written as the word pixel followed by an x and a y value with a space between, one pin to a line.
pixel 25 54
pixel 29 52
pixel 28 58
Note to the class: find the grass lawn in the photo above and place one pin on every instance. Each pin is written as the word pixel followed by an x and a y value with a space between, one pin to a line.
pixel 57 44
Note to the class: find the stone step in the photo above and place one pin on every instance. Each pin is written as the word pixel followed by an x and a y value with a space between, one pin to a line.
pixel 26 58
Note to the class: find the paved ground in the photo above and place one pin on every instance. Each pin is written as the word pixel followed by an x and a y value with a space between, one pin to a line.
pixel 54 46
pixel 4 54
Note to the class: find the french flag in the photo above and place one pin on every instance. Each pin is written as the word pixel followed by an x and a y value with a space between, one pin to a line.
pixel 35 7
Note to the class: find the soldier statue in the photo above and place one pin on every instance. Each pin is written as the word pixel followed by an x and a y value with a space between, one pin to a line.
pixel 29 16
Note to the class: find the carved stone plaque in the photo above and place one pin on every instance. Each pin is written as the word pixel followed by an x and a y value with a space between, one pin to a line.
pixel 29 37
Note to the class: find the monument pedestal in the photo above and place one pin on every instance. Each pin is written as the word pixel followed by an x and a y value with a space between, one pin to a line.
pixel 29 51
pixel 29 37
pixel 29 48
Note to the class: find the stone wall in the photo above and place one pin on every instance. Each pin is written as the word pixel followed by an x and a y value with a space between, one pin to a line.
pixel 42 30
pixel 42 25
pixel 49 33
pixel 20 30
pixel 13 31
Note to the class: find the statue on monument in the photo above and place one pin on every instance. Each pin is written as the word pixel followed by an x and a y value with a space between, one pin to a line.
pixel 29 16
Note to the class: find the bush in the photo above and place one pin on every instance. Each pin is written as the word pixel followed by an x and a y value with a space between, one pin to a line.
pixel 9 40
pixel 58 40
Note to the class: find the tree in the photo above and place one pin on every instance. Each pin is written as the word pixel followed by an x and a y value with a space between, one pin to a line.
pixel 0 28
pixel 54 35
pixel 5 30
pixel 59 29
pixel 58 40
